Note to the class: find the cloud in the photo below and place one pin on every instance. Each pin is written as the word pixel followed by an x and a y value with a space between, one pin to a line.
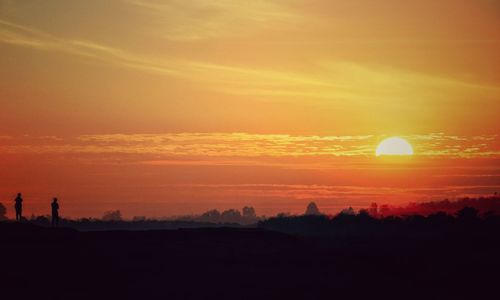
pixel 180 20
pixel 327 82
pixel 246 145
pixel 339 84
pixel 15 34
pixel 229 79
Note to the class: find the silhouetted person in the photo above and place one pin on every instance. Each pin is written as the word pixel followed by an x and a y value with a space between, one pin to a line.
pixel 19 207
pixel 55 213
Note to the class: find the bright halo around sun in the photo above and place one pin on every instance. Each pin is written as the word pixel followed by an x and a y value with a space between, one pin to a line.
pixel 394 146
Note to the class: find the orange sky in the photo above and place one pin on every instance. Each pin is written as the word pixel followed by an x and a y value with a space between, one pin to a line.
pixel 173 107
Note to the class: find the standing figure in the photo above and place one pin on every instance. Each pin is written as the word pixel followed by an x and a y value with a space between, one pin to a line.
pixel 55 213
pixel 19 207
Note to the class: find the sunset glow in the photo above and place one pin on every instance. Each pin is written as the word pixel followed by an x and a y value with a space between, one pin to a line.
pixel 167 108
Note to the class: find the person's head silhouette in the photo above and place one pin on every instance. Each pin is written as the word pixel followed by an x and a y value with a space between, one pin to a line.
pixel 19 194
pixel 55 200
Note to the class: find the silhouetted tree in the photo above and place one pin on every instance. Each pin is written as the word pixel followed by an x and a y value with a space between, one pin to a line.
pixel 363 213
pixel 231 215
pixel 488 214
pixel 282 214
pixel 210 216
pixel 3 212
pixel 373 210
pixel 112 215
pixel 249 212
pixel 348 211
pixel 440 218
pixel 483 204
pixel 312 210
pixel 468 214
pixel 384 210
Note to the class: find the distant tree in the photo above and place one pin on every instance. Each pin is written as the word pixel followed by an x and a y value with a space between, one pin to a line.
pixel 439 218
pixel 489 214
pixel 384 210
pixel 312 210
pixel 249 212
pixel 231 216
pixel 483 204
pixel 210 216
pixel 231 213
pixel 364 216
pixel 283 215
pixel 3 212
pixel 112 215
pixel 84 220
pixel 373 210
pixel 468 214
pixel 348 211
pixel 363 213
pixel 139 219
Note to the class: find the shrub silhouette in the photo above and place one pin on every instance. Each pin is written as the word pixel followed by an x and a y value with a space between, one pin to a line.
pixel 468 214
pixel 210 216
pixel 482 204
pixel 363 224
pixel 112 215
pixel 312 210
pixel 249 212
pixel 230 216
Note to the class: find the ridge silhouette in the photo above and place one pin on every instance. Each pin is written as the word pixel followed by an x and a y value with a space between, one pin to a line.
pixel 347 256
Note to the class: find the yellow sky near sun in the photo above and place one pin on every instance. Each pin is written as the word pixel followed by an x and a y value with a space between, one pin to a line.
pixel 295 66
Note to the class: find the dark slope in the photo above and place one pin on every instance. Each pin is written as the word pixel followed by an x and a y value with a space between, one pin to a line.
pixel 229 263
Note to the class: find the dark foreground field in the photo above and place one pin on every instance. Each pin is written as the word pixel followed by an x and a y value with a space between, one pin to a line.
pixel 219 263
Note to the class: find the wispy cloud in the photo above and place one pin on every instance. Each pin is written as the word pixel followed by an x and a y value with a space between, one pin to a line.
pixel 16 34
pixel 204 19
pixel 330 83
pixel 254 145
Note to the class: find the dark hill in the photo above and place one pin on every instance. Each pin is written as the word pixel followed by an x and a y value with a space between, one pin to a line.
pixel 239 263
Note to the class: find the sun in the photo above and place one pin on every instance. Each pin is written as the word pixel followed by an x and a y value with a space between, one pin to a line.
pixel 394 146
